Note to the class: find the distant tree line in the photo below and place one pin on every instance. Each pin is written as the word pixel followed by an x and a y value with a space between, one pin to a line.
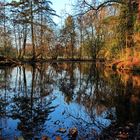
pixel 97 30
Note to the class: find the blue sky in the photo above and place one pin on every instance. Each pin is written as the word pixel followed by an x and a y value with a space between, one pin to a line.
pixel 61 7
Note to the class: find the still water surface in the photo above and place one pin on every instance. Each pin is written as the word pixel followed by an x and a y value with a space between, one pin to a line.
pixel 49 99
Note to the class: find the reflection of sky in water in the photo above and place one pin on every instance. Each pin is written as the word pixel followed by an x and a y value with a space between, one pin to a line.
pixel 17 73
pixel 72 114
pixel 67 114
pixel 9 127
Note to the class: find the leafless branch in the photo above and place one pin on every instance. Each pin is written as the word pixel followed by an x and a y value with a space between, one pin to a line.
pixel 104 4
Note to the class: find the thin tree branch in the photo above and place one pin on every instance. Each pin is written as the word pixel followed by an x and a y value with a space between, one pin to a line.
pixel 104 4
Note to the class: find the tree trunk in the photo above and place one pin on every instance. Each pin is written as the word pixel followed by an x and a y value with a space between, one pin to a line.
pixel 19 41
pixel 4 26
pixel 32 33
pixel 138 10
pixel 24 40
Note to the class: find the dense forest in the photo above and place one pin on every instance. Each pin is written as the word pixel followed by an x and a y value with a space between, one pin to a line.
pixel 107 30
pixel 79 79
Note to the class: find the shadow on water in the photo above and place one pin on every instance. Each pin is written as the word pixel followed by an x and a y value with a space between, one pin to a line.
pixel 49 99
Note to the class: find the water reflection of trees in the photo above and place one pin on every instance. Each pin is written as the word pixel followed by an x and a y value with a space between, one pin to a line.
pixel 101 93
pixel 127 96
pixel 67 83
pixel 32 114
pixel 30 109
pixel 27 104
pixel 84 84
pixel 5 75
pixel 5 80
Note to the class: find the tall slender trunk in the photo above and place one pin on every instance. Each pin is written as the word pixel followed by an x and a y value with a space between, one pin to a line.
pixel 15 38
pixel 81 41
pixel 138 10
pixel 72 44
pixel 19 41
pixel 4 25
pixel 32 32
pixel 72 47
pixel 41 34
pixel 24 40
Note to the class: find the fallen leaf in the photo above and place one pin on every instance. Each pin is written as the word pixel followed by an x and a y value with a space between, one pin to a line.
pixel 123 136
pixel 73 132
pixel 62 130
pixel 58 138
pixel 45 138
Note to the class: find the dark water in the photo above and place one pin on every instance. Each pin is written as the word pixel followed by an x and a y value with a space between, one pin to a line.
pixel 49 99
